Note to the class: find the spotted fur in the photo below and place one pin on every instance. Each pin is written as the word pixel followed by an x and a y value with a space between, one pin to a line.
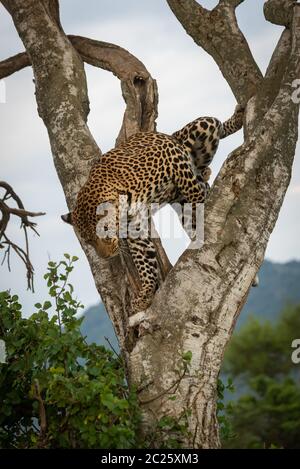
pixel 149 168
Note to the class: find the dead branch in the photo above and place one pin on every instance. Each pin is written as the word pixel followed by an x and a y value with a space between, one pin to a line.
pixel 5 242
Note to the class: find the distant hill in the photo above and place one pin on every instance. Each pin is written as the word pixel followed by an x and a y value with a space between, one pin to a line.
pixel 97 325
pixel 279 286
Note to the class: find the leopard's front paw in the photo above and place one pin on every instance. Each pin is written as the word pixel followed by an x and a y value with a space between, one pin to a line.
pixel 141 302
pixel 206 173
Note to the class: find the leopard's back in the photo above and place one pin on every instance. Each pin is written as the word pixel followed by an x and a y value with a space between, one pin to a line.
pixel 149 168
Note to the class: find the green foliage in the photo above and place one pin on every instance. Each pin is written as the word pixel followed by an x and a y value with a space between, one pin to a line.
pixel 225 426
pixel 187 357
pixel 263 348
pixel 56 390
pixel 267 414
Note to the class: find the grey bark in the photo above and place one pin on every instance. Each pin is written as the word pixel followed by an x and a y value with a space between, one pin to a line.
pixel 198 304
pixel 217 32
pixel 65 114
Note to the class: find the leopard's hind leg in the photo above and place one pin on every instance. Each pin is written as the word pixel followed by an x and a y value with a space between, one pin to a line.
pixel 144 257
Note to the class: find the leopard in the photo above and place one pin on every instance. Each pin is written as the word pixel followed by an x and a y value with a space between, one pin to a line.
pixel 148 168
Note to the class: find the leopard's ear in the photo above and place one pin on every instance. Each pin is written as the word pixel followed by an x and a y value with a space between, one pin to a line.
pixel 67 218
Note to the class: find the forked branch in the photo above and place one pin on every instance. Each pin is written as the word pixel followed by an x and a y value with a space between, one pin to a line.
pixel 218 33
pixel 5 242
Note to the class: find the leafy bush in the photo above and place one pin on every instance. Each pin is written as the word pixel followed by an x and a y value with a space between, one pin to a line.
pixel 269 416
pixel 223 409
pixel 266 413
pixel 56 390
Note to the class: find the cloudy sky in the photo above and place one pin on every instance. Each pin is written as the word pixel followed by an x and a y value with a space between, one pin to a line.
pixel 190 85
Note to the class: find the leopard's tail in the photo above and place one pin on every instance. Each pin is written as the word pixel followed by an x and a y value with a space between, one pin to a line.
pixel 234 123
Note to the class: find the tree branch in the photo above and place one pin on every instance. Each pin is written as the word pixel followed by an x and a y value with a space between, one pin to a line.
pixel 139 92
pixel 5 241
pixel 14 64
pixel 139 89
pixel 52 7
pixel 279 11
pixel 269 88
pixel 232 3
pixel 110 57
pixel 218 33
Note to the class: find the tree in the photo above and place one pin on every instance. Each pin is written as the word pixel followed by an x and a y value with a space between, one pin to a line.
pixel 267 411
pixel 241 211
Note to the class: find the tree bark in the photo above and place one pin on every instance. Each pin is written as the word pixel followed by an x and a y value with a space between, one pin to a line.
pixel 65 114
pixel 206 290
pixel 217 32
pixel 198 304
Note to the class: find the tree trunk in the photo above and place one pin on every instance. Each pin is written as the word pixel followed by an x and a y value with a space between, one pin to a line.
pixel 197 305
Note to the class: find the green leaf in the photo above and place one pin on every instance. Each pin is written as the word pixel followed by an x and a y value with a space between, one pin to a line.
pixel 52 290
pixel 187 356
pixel 67 296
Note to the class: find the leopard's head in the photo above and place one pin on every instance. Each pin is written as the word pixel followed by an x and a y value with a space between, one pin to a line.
pixel 106 247
pixel 106 244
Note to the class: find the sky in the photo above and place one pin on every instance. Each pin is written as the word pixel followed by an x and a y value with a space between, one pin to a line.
pixel 190 85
